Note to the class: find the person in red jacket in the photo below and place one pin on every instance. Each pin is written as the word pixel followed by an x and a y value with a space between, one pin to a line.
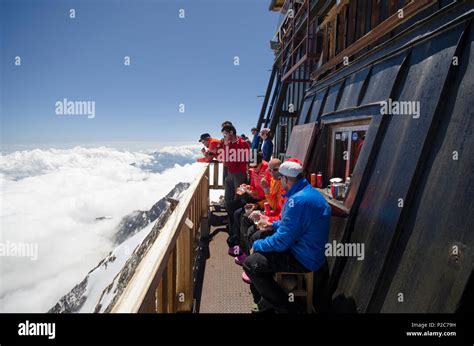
pixel 235 155
pixel 271 185
pixel 254 194
pixel 258 172
pixel 212 145
pixel 221 145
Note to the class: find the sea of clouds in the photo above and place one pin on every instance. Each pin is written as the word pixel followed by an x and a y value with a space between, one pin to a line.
pixel 53 197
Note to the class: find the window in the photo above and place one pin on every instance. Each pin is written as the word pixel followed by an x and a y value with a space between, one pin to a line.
pixel 346 145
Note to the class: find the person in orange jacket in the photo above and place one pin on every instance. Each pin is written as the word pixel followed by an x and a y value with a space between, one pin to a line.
pixel 212 145
pixel 273 194
pixel 273 190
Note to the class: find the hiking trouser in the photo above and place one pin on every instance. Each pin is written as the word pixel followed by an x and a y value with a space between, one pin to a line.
pixel 235 211
pixel 247 228
pixel 261 267
pixel 231 183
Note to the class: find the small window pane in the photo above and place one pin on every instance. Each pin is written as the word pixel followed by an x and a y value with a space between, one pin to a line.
pixel 341 147
pixel 358 139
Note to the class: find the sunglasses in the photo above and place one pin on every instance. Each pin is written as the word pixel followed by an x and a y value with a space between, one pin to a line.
pixel 273 169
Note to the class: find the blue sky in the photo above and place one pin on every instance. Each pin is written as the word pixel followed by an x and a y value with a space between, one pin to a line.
pixel 173 61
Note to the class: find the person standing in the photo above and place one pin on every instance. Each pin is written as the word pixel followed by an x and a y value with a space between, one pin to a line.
pixel 211 144
pixel 221 147
pixel 267 145
pixel 255 140
pixel 235 155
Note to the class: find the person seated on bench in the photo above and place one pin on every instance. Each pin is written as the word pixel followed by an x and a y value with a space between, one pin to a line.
pixel 273 196
pixel 297 243
pixel 249 194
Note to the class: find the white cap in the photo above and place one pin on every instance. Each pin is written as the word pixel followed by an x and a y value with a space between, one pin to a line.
pixel 291 168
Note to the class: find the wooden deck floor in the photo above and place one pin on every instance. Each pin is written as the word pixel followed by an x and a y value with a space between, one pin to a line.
pixel 223 290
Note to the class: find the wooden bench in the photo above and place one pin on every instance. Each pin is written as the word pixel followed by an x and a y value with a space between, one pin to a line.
pixel 301 290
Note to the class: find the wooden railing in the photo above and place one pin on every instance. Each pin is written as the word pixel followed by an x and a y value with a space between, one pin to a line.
pixel 216 173
pixel 163 281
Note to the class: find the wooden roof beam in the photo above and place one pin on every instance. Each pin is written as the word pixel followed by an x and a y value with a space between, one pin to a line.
pixel 410 9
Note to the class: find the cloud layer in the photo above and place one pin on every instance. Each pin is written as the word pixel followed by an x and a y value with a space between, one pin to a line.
pixel 53 198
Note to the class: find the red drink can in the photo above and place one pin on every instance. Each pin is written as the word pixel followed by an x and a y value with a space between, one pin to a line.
pixel 268 210
pixel 319 179
pixel 313 179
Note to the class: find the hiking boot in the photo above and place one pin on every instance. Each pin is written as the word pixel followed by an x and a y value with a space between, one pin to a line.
pixel 246 278
pixel 240 259
pixel 262 307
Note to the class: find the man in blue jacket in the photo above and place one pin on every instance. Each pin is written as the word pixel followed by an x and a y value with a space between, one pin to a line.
pixel 256 139
pixel 298 240
pixel 267 145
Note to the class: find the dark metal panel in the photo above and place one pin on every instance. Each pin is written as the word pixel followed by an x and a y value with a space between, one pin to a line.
pixel 443 190
pixel 336 233
pixel 332 98
pixel 351 114
pixel 382 79
pixel 352 89
pixel 318 157
pixel 318 104
pixel 395 164
pixel 308 101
